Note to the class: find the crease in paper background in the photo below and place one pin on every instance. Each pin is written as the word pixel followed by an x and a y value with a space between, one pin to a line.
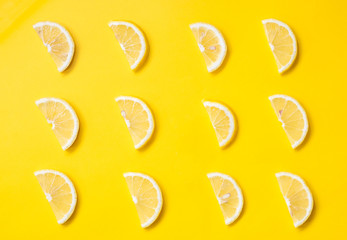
pixel 11 10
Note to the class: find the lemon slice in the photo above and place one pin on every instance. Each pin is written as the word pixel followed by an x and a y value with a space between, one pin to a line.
pixel 63 118
pixel 292 116
pixel 228 194
pixel 211 44
pixel 131 40
pixel 138 118
pixel 297 196
pixel 282 43
pixel 58 42
pixel 60 193
pixel 146 196
pixel 222 121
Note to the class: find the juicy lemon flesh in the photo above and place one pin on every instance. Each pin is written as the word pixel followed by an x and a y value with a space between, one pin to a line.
pixel 144 195
pixel 58 193
pixel 296 197
pixel 129 40
pixel 61 119
pixel 291 117
pixel 220 121
pixel 227 196
pixel 281 43
pixel 56 42
pixel 136 119
pixel 209 44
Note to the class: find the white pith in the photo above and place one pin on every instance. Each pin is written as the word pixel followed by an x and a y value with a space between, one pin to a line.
pixel 48 197
pixel 201 47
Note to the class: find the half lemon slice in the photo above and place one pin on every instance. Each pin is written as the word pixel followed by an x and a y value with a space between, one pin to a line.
pixel 131 40
pixel 282 43
pixel 297 195
pixel 60 114
pixel 146 196
pixel 211 44
pixel 58 41
pixel 222 120
pixel 59 192
pixel 292 116
pixel 138 118
pixel 228 194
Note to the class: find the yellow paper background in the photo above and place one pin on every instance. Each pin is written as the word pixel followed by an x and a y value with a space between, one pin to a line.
pixel 173 81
